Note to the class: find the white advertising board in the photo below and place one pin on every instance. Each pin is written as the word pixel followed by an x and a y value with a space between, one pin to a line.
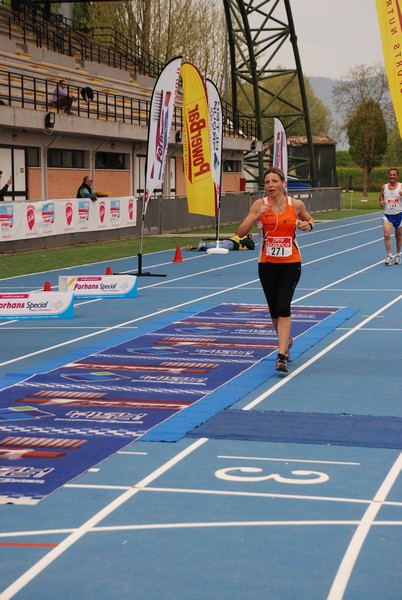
pixel 99 286
pixel 27 220
pixel 37 305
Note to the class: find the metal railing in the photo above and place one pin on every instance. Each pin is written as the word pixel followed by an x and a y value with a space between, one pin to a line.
pixel 141 61
pixel 25 91
pixel 101 45
pixel 28 91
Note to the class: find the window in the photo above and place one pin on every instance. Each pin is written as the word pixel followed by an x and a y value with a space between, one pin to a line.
pixel 110 160
pixel 231 166
pixel 65 159
pixel 32 157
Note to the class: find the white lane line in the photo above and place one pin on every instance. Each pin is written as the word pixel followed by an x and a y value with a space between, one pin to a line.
pixel 325 229
pixel 326 287
pixel 209 492
pixel 290 460
pixel 197 525
pixel 131 452
pixel 78 533
pixel 352 553
pixel 314 359
pixel 15 534
pixel 60 328
pixel 254 259
pixel 339 237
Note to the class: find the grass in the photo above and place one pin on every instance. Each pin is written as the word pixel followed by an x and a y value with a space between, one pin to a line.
pixel 47 260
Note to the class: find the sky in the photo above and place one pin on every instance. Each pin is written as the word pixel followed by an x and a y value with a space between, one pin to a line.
pixel 334 36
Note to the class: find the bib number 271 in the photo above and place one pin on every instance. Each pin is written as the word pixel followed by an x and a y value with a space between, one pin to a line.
pixel 278 246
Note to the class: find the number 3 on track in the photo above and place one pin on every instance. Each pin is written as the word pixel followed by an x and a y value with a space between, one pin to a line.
pixel 300 477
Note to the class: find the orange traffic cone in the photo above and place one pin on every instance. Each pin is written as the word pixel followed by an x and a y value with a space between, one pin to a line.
pixel 177 255
pixel 46 287
pixel 108 271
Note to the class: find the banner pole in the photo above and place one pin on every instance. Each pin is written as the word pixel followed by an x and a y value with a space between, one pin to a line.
pixel 159 125
pixel 140 272
pixel 216 133
pixel 139 255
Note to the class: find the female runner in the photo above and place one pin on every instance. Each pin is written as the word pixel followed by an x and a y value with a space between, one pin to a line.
pixel 277 216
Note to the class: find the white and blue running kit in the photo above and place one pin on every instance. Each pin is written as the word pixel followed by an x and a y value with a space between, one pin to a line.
pixel 391 201
pixel 393 205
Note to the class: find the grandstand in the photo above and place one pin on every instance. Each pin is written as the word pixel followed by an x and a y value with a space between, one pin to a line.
pixel 107 136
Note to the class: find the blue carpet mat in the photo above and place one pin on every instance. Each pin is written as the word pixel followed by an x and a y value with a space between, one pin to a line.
pixel 191 368
pixel 304 428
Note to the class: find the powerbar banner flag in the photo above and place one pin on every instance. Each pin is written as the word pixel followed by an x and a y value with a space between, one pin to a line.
pixel 160 122
pixel 216 137
pixel 390 23
pixel 200 185
pixel 280 159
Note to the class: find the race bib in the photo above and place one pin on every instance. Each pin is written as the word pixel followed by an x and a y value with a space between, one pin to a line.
pixel 278 246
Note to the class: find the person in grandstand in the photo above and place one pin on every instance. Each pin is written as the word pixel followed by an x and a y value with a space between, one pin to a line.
pixel 233 243
pixel 4 189
pixel 277 217
pixel 85 190
pixel 391 201
pixel 62 97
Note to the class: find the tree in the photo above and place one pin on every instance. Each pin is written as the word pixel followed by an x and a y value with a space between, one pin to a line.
pixel 343 159
pixel 360 84
pixel 367 134
pixel 164 29
pixel 320 115
pixel 393 154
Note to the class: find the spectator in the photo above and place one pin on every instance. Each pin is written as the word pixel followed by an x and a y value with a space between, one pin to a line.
pixel 4 189
pixel 233 243
pixel 62 98
pixel 85 190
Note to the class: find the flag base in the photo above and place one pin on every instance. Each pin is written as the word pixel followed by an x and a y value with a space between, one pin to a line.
pixel 141 273
pixel 217 251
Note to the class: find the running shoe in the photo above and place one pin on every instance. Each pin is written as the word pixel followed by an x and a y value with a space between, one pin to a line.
pixel 397 259
pixel 388 260
pixel 281 364
pixel 192 247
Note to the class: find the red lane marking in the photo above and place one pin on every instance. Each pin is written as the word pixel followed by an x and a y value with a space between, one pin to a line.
pixel 24 544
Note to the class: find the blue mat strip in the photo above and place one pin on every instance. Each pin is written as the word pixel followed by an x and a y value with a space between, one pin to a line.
pixel 304 428
pixel 180 424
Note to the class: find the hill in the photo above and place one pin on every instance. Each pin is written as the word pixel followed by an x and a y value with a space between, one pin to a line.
pixel 322 88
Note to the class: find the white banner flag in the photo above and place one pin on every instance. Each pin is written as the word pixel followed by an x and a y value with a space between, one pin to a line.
pixel 216 134
pixel 160 121
pixel 280 158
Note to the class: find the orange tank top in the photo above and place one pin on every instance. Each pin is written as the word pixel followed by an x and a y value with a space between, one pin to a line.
pixel 278 235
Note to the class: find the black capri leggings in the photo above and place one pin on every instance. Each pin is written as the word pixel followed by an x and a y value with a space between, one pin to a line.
pixel 279 282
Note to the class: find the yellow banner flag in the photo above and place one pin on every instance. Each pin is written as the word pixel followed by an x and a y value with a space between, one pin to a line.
pixel 200 185
pixel 390 22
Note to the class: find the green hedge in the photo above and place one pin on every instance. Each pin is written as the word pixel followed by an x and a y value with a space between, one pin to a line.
pixel 354 175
